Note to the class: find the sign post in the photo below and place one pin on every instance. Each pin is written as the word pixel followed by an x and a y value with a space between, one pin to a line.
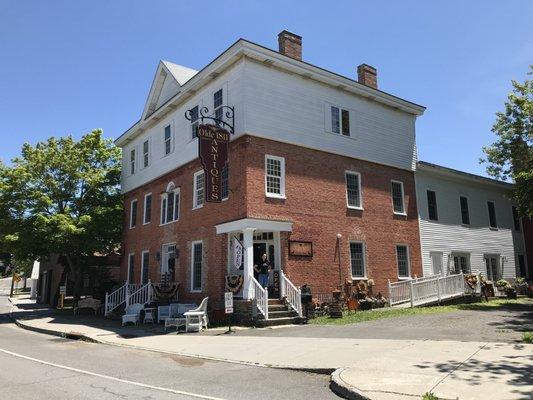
pixel 62 294
pixel 228 307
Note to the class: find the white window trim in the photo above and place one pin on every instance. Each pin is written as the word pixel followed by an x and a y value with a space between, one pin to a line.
pixel 493 228
pixel 404 212
pixel 432 189
pixel 359 189
pixel 328 122
pixel 142 264
pixel 151 209
pixel 462 254
pixel 192 266
pixel 195 205
pixel 129 265
pixel 132 161
pixel 172 140
pixel 408 277
pixel 461 210
pixel 282 177
pixel 149 153
pixel 431 253
pixel 163 247
pixel 364 259
pixel 131 213
pixel 164 196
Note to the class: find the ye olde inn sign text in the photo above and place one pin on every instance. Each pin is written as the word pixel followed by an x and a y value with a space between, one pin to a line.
pixel 213 153
pixel 213 142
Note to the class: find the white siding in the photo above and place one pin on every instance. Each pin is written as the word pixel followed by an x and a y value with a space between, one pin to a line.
pixel 448 235
pixel 185 148
pixel 292 109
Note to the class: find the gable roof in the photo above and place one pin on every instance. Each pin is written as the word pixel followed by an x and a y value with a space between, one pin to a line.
pixel 180 73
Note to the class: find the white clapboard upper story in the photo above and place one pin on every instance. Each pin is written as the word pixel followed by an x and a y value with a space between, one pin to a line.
pixel 275 96
pixel 468 223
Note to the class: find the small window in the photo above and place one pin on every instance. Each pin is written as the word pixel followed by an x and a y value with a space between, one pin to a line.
pixel 147 208
pixel 340 121
pixel 170 205
pixel 516 219
pixel 461 263
pixel 198 189
pixel 133 214
pixel 217 104
pixel 194 122
pixel 436 262
pixel 402 256
pixel 274 176
pixel 397 197
pixel 432 205
pixel 131 267
pixel 168 139
pixel 353 190
pixel 132 161
pixel 196 266
pixel 492 214
pixel 465 214
pixel 145 266
pixel 146 153
pixel 357 259
pixel 224 192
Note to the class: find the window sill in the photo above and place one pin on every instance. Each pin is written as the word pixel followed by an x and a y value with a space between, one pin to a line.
pixel 197 207
pixel 275 196
pixel 169 223
pixel 355 208
pixel 147 223
pixel 225 198
pixel 405 278
pixel 402 214
pixel 492 228
pixel 196 291
pixel 133 227
pixel 341 135
pixel 465 225
pixel 360 278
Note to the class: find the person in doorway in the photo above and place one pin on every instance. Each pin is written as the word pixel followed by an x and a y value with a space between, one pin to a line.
pixel 263 269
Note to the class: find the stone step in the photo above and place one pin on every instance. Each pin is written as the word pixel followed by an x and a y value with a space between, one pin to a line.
pixel 281 314
pixel 279 321
pixel 277 307
pixel 275 301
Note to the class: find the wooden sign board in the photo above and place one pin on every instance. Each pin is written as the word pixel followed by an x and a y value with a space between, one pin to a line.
pixel 213 153
pixel 300 248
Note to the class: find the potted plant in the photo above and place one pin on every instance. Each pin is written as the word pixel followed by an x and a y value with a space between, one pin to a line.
pixel 502 285
pixel 520 285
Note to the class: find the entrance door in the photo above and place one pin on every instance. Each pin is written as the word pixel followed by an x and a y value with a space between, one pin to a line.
pixel 492 266
pixel 259 250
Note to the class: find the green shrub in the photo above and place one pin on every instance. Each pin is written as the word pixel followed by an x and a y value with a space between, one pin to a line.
pixel 502 283
pixel 429 396
pixel 527 337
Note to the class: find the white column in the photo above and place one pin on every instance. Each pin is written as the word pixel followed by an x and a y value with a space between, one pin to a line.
pixel 248 244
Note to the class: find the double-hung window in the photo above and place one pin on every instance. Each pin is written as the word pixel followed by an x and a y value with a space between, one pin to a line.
pixel 353 190
pixel 432 205
pixel 461 263
pixel 402 257
pixel 170 205
pixel 132 161
pixel 131 267
pixel 516 219
pixel 146 153
pixel 492 214
pixel 147 218
pixel 218 100
pixel 133 213
pixel 340 121
pixel 196 266
pixel 398 205
pixel 357 259
pixel 167 138
pixel 194 122
pixel 198 189
pixel 145 268
pixel 274 176
pixel 465 213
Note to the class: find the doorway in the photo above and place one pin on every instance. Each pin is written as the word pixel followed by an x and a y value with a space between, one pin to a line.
pixel 492 264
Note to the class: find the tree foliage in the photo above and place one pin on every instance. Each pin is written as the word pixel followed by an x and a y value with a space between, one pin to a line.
pixel 62 197
pixel 511 155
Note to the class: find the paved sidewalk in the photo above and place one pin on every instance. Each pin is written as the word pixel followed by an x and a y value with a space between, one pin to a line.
pixel 368 368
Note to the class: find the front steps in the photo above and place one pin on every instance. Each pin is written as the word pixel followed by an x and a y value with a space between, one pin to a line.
pixel 279 313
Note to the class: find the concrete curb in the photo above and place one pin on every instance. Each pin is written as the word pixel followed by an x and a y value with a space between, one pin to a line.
pixel 343 389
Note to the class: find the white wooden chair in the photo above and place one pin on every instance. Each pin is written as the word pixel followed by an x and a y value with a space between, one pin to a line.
pixel 163 312
pixel 197 319
pixel 133 314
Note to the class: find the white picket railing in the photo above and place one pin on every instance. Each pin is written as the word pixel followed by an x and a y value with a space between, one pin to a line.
pixel 292 294
pixel 428 289
pixel 131 293
pixel 143 295
pixel 261 297
pixel 115 299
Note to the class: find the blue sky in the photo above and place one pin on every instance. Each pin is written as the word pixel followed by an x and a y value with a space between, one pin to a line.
pixel 67 67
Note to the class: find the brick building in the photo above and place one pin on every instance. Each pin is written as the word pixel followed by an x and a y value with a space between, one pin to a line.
pixel 317 160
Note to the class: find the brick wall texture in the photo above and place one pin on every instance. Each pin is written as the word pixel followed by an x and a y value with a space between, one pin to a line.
pixel 315 203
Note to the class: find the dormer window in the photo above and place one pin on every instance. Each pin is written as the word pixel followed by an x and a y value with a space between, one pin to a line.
pixel 340 121
pixel 194 122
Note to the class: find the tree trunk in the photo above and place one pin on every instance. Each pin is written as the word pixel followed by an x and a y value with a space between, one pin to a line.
pixel 75 269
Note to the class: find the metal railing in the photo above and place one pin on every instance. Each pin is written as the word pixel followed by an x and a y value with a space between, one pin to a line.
pixel 292 294
pixel 261 297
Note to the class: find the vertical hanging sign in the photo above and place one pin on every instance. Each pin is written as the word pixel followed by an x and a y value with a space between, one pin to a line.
pixel 213 153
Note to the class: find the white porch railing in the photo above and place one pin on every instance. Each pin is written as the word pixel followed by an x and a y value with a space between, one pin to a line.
pixel 131 293
pixel 428 289
pixel 143 295
pixel 292 294
pixel 115 299
pixel 261 297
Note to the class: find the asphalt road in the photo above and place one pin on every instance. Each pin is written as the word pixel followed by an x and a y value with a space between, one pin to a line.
pixel 36 366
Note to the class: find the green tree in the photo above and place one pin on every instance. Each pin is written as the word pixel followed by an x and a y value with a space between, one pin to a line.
pixel 63 197
pixel 511 155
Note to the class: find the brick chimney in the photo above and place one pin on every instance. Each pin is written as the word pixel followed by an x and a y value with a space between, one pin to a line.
pixel 367 75
pixel 290 45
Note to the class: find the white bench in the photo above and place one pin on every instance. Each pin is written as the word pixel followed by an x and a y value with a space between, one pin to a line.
pixel 89 302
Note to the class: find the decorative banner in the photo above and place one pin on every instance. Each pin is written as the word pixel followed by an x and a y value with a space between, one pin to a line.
pixel 237 254
pixel 300 248
pixel 213 153
pixel 234 283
